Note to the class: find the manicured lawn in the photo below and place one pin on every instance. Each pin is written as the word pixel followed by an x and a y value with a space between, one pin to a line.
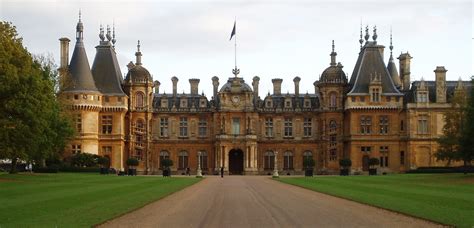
pixel 71 199
pixel 445 198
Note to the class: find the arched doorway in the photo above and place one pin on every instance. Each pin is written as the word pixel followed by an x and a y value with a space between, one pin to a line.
pixel 236 162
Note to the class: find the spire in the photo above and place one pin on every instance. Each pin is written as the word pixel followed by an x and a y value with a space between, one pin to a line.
pixel 361 40
pixel 138 54
pixel 374 37
pixel 79 29
pixel 367 36
pixel 333 55
pixel 113 34
pixel 391 46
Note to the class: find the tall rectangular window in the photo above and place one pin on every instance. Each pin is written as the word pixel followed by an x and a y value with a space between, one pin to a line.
pixel 183 127
pixel 365 124
pixel 76 149
pixel 202 127
pixel 383 124
pixel 269 127
pixel 375 95
pixel 78 121
pixel 164 127
pixel 383 156
pixel 288 127
pixel 236 126
pixel 307 127
pixel 422 125
pixel 333 154
pixel 106 124
pixel 106 150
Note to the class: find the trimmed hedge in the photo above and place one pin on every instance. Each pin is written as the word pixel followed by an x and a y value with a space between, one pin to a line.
pixel 460 169
pixel 79 169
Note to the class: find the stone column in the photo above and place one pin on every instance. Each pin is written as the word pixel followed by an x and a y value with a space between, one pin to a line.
pixel 275 167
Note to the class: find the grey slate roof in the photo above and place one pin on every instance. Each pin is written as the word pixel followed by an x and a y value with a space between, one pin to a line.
pixel 392 70
pixel 431 86
pixel 80 73
pixel 369 63
pixel 279 100
pixel 193 100
pixel 106 70
pixel 239 85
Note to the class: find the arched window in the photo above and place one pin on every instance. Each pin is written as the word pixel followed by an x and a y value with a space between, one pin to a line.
pixel 333 100
pixel 288 160
pixel 269 160
pixel 182 160
pixel 139 99
pixel 163 155
pixel 203 160
pixel 307 155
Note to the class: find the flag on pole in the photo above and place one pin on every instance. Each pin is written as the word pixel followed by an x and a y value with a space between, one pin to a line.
pixel 233 32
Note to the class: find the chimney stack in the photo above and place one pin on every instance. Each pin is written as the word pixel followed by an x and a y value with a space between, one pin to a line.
pixel 440 74
pixel 175 80
pixel 255 82
pixel 277 86
pixel 404 61
pixel 194 83
pixel 215 85
pixel 157 86
pixel 64 53
pixel 297 80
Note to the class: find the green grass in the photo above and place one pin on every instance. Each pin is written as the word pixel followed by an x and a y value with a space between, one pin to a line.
pixel 78 200
pixel 444 198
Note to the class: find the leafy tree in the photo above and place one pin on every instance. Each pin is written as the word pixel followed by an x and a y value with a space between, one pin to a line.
pixel 31 126
pixel 84 160
pixel 309 163
pixel 345 163
pixel 452 131
pixel 132 162
pixel 466 142
pixel 167 163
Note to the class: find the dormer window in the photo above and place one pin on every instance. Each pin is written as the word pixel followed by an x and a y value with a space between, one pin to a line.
pixel 269 104
pixel 202 103
pixel 307 104
pixel 375 95
pixel 164 103
pixel 288 104
pixel 184 103
pixel 422 96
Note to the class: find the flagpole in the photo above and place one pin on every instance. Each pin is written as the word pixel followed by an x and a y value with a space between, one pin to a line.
pixel 235 43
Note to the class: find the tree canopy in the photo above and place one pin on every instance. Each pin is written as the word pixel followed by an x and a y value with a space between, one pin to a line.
pixel 466 142
pixel 32 126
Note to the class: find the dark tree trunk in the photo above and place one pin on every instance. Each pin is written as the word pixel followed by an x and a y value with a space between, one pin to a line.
pixel 13 168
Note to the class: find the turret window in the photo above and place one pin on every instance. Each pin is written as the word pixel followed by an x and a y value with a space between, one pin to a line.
pixel 106 124
pixel 375 95
pixel 139 100
pixel 76 149
pixel 78 120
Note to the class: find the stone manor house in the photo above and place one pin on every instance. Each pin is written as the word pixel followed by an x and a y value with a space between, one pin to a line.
pixel 377 112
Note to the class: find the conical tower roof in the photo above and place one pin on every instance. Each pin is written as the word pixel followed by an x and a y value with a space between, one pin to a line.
pixel 79 69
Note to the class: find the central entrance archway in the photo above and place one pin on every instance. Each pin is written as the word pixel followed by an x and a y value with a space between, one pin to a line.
pixel 236 162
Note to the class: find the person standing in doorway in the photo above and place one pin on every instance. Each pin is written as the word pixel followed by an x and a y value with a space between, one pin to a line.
pixel 222 172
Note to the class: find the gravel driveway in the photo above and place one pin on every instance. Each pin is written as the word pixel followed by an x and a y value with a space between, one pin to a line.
pixel 258 201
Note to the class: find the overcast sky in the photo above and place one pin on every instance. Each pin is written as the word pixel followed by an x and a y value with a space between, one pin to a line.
pixel 275 39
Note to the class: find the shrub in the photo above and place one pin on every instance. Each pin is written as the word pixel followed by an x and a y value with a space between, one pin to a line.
pixel 103 161
pixel 84 160
pixel 345 163
pixel 309 163
pixel 167 163
pixel 132 162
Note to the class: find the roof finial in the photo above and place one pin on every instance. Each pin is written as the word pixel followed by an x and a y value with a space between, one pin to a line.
pixel 361 40
pixel 333 55
pixel 374 37
pixel 108 33
pixel 101 33
pixel 79 15
pixel 79 29
pixel 138 54
pixel 391 44
pixel 113 34
pixel 138 46
pixel 367 36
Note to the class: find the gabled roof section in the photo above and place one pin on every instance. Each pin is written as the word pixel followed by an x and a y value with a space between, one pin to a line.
pixel 106 70
pixel 370 62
